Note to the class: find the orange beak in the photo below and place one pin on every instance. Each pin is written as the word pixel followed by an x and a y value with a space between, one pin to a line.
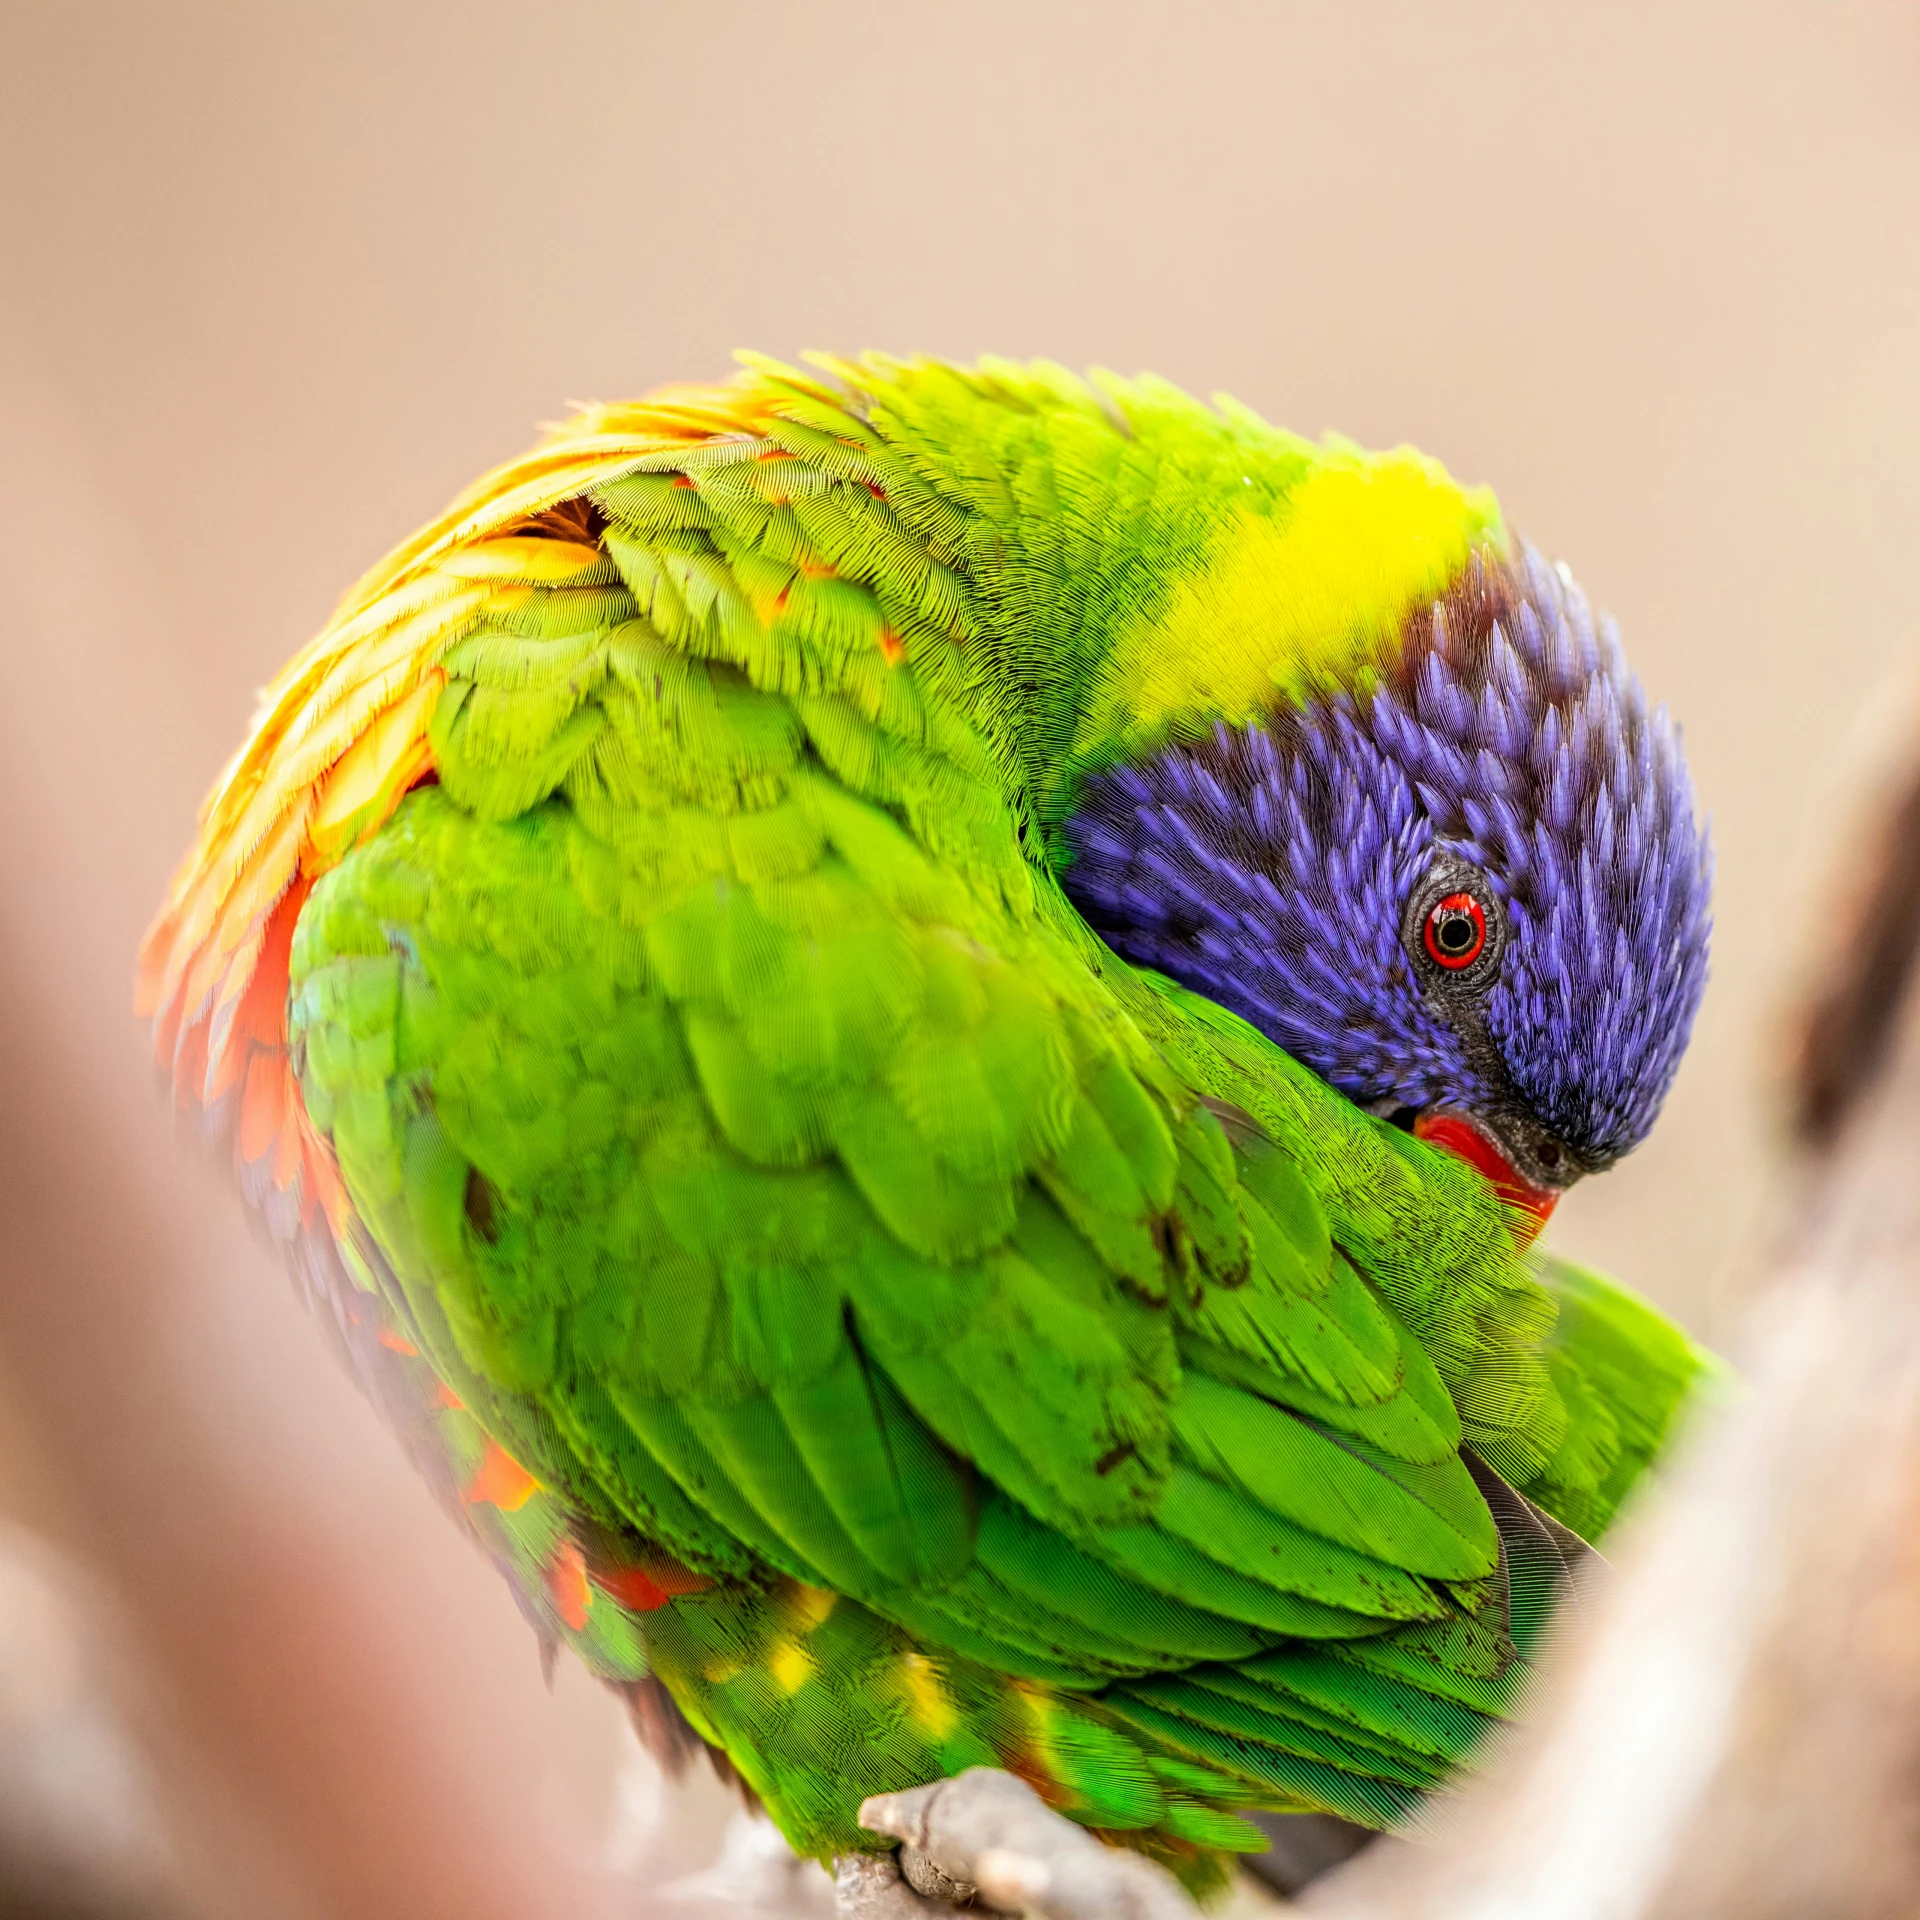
pixel 1458 1135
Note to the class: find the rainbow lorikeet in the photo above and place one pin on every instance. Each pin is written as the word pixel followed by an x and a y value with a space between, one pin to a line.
pixel 912 1022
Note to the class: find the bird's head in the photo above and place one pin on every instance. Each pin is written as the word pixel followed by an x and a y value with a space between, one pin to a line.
pixel 1467 890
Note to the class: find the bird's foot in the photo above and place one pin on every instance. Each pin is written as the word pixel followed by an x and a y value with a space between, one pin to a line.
pixel 870 1886
pixel 986 1839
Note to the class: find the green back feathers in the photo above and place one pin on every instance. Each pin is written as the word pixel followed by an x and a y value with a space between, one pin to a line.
pixel 1107 561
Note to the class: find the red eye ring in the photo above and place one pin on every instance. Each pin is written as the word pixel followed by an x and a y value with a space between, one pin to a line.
pixel 1455 935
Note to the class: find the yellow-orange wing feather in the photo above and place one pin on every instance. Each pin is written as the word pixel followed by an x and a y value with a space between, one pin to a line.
pixel 341 735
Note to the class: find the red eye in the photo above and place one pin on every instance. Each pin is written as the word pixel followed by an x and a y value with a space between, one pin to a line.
pixel 1456 932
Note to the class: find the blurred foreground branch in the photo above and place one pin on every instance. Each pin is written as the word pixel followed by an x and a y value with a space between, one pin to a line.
pixel 82 1833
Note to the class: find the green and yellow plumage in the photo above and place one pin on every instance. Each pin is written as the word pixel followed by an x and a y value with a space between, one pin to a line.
pixel 829 1281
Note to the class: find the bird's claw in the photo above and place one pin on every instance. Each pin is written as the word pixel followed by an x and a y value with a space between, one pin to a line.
pixel 986 1838
pixel 870 1886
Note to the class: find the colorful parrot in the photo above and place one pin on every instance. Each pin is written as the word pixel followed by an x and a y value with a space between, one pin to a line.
pixel 912 1023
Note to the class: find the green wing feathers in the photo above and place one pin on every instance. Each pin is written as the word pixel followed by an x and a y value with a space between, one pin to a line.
pixel 1625 1374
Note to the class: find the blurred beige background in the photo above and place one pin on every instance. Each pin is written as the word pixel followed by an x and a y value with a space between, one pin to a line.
pixel 275 280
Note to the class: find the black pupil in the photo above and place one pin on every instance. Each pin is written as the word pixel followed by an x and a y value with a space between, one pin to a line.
pixel 1455 932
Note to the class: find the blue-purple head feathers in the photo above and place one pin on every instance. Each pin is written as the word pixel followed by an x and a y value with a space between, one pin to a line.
pixel 1274 868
